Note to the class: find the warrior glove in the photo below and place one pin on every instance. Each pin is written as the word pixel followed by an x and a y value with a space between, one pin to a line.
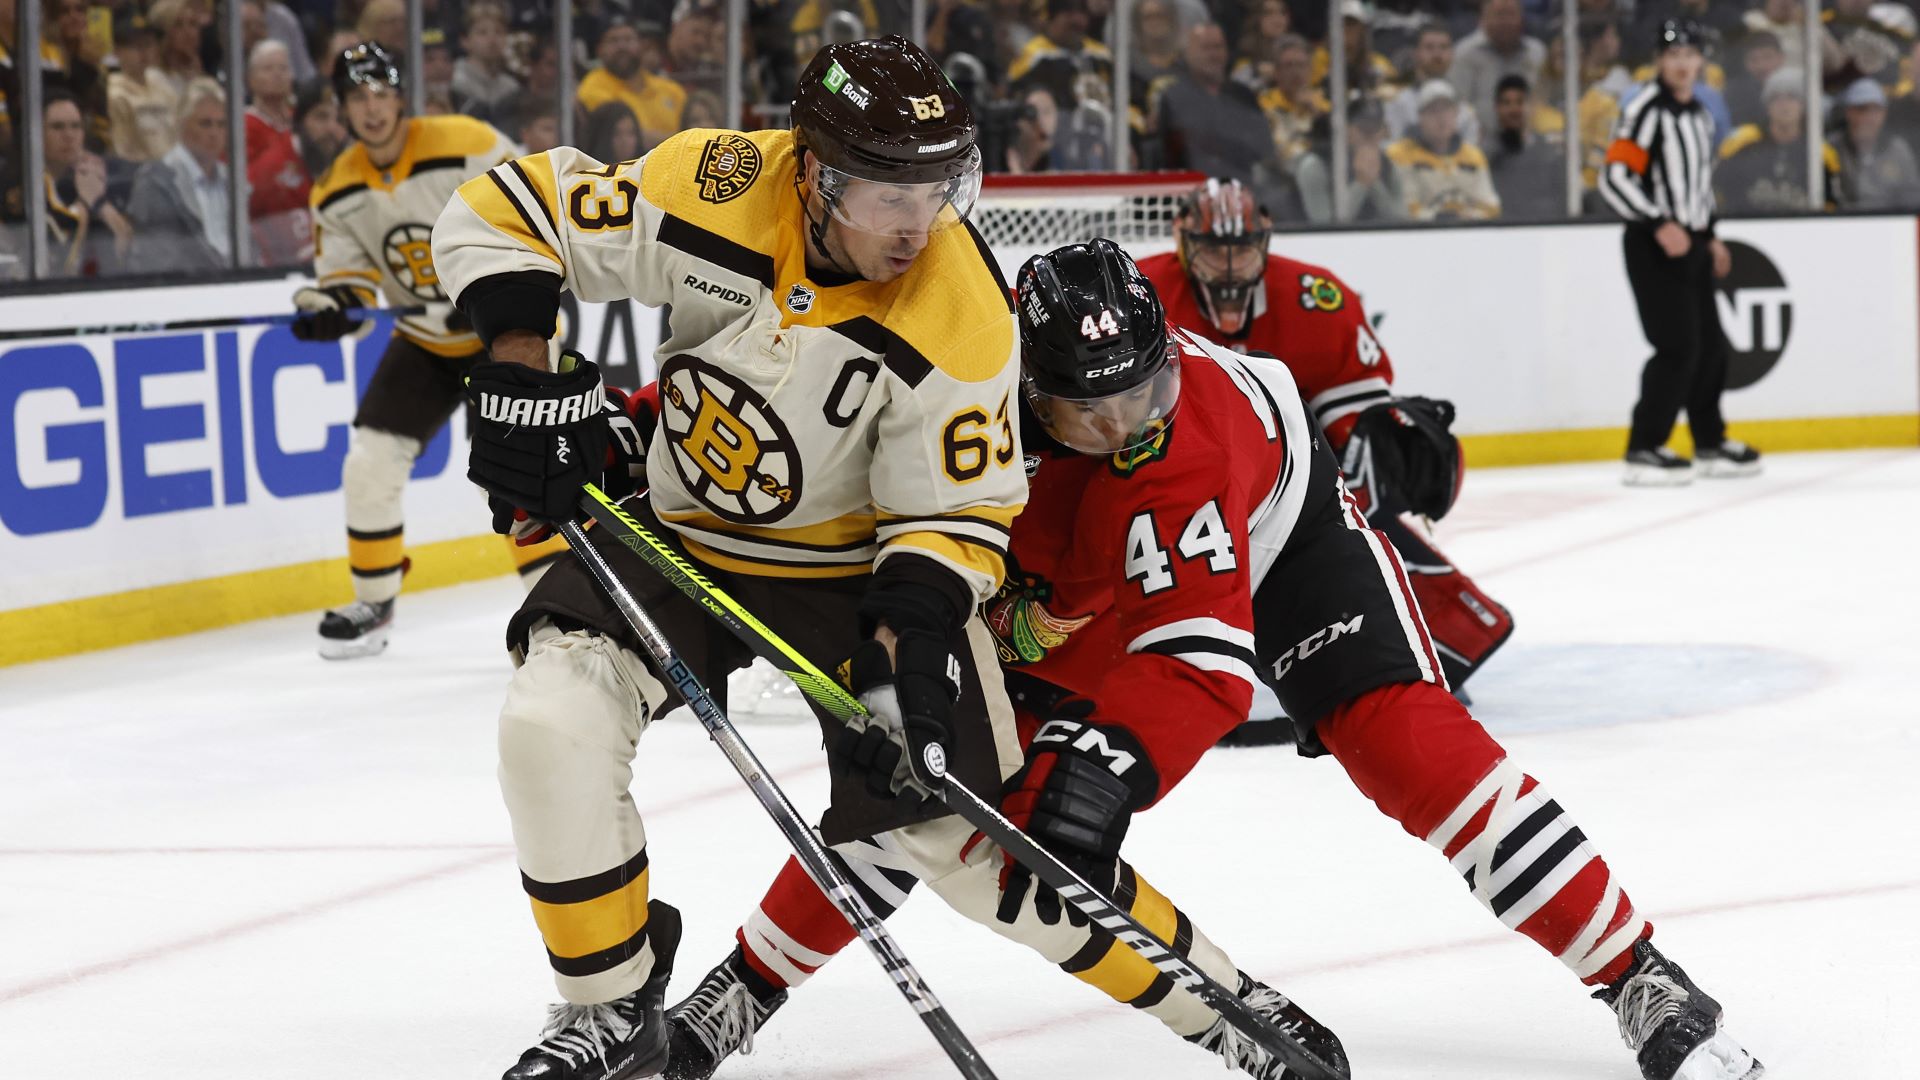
pixel 539 436
pixel 900 745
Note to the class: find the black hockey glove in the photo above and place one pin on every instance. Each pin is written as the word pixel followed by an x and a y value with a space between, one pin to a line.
pixel 1406 450
pixel 901 745
pixel 1075 796
pixel 538 436
pixel 323 313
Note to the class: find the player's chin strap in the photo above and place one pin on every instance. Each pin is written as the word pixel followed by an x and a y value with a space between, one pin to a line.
pixel 813 856
pixel 827 693
pixel 817 227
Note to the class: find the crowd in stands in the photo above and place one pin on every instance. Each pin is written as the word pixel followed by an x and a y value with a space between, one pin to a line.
pixel 1454 109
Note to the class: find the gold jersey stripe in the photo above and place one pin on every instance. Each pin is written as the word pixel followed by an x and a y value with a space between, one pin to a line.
pixel 960 551
pixel 745 564
pixel 490 198
pixel 372 556
pixel 533 553
pixel 595 925
pixel 845 531
pixel 451 348
pixel 1122 974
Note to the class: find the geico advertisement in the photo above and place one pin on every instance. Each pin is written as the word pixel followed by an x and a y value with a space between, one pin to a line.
pixel 155 458
pixel 1535 329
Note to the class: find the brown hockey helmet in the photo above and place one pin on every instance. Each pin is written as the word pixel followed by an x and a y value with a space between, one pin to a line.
pixel 882 111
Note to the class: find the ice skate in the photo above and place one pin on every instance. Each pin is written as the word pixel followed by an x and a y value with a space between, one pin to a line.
pixel 1657 468
pixel 1246 1055
pixel 718 1020
pixel 623 1039
pixel 358 629
pixel 1731 458
pixel 1673 1025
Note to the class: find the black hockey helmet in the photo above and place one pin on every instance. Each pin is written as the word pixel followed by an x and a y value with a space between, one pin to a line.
pixel 367 64
pixel 1223 233
pixel 881 111
pixel 1680 31
pixel 1099 368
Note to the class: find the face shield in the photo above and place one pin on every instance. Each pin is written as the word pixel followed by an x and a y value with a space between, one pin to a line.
pixel 1114 423
pixel 1226 274
pixel 887 209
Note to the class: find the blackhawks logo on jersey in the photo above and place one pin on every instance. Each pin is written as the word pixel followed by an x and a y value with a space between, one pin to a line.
pixel 727 168
pixel 1024 631
pixel 1127 461
pixel 1320 294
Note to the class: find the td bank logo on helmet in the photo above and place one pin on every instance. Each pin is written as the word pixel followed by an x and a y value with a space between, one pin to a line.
pixel 1756 314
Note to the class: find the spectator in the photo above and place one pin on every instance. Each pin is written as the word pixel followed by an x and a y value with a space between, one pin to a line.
pixel 1859 44
pixel 1373 184
pixel 253 29
pixel 1292 103
pixel 179 23
pixel 1211 124
pixel 337 42
pixel 281 174
pixel 87 234
pixel 1444 177
pixel 1366 69
pixel 624 76
pixel 77 59
pixel 436 72
pixel 269 115
pixel 1432 59
pixel 1031 148
pixel 959 26
pixel 180 208
pixel 542 74
pixel 1723 23
pixel 704 110
pixel 1763 167
pixel 1267 22
pixel 1877 168
pixel 140 101
pixel 284 27
pixel 1063 40
pixel 480 77
pixel 535 127
pixel 1786 21
pixel 385 22
pixel 612 133
pixel 1156 40
pixel 1500 47
pixel 1528 173
pixel 1760 57
pixel 1903 106
pixel 697 47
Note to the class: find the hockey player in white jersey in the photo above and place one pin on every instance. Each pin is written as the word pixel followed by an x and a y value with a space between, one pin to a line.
pixel 836 445
pixel 373 214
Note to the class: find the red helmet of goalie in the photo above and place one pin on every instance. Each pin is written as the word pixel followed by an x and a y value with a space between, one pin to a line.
pixel 1223 232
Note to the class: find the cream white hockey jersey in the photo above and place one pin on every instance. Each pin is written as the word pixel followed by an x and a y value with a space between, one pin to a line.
pixel 808 429
pixel 373 227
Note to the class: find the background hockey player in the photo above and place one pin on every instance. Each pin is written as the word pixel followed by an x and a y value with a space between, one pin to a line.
pixel 835 445
pixel 1224 283
pixel 373 214
pixel 1168 559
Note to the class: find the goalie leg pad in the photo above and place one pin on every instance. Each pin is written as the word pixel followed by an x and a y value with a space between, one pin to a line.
pixel 1467 625
pixel 1427 763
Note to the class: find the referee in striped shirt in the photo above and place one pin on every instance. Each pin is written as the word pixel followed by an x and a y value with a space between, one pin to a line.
pixel 1659 177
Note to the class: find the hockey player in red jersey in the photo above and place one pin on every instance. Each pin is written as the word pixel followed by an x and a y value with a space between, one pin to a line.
pixel 1222 282
pixel 1187 534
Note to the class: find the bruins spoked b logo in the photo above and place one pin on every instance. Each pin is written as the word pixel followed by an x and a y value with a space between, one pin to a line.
pixel 409 255
pixel 729 449
pixel 728 167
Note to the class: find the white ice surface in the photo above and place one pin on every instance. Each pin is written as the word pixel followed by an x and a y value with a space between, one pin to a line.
pixel 221 857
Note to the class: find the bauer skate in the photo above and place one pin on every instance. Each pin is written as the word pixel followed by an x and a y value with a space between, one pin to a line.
pixel 1246 1055
pixel 359 629
pixel 1672 1024
pixel 717 1021
pixel 623 1039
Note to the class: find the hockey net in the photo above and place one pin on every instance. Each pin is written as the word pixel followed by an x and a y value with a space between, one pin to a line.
pixel 1020 216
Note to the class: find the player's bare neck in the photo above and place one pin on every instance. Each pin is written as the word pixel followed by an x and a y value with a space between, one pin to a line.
pixel 384 155
pixel 825 267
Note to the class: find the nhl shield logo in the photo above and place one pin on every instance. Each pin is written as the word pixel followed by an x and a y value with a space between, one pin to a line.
pixel 799 299
pixel 728 166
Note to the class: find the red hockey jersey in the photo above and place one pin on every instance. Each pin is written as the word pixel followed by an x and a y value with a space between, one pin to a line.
pixel 1131 576
pixel 1310 320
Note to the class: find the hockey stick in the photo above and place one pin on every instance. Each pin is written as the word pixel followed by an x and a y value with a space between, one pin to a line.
pixel 829 695
pixel 224 322
pixel 813 855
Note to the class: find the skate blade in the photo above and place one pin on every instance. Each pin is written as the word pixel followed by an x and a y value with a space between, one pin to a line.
pixel 1720 1058
pixel 1728 470
pixel 372 644
pixel 1646 476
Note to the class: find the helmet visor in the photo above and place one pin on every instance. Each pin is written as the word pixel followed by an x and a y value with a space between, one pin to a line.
pixel 887 209
pixel 1217 263
pixel 1117 422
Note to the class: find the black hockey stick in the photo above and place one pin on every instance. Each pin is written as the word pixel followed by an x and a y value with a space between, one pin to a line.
pixel 813 855
pixel 827 693
pixel 224 322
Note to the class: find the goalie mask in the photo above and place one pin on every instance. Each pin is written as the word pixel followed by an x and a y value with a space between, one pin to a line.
pixel 1097 365
pixel 892 139
pixel 1223 236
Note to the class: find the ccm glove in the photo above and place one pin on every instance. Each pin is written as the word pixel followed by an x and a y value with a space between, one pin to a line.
pixel 1075 796
pixel 900 746
pixel 539 436
pixel 323 313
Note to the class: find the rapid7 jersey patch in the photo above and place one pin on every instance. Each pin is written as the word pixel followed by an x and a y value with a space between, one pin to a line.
pixel 1205 537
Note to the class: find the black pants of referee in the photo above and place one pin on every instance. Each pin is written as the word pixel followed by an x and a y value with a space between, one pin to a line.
pixel 1689 363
